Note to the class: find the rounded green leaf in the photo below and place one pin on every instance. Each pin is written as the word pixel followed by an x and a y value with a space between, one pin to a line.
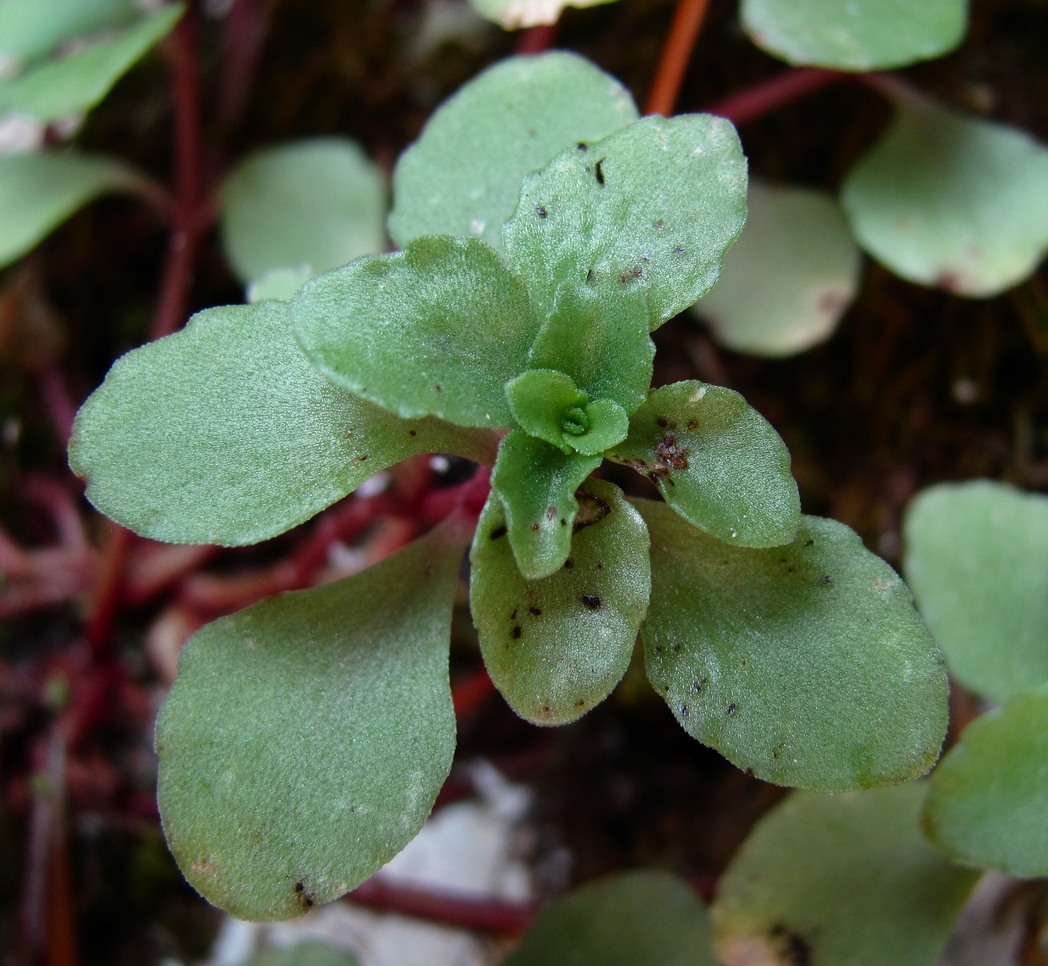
pixel 306 737
pixel 716 461
pixel 989 795
pixel 645 215
pixel 807 664
pixel 319 203
pixel 437 329
pixel 519 14
pixel 834 879
pixel 643 918
pixel 857 34
pixel 976 556
pixel 462 177
pixel 40 191
pixel 952 201
pixel 29 30
pixel 223 433
pixel 75 83
pixel 556 647
pixel 789 277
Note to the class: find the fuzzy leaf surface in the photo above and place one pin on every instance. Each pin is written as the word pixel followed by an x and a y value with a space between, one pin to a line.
pixel 976 558
pixel 224 433
pixel 28 31
pixel 989 796
pixel 519 14
pixel 40 191
pixel 788 279
pixel 716 461
pixel 535 482
pixel 306 737
pixel 318 202
pixel 951 201
pixel 645 215
pixel 806 664
pixel 557 646
pixel 435 330
pixel 827 879
pixel 857 35
pixel 462 176
pixel 643 918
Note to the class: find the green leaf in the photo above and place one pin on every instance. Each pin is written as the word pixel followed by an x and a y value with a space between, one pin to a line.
pixel 948 200
pixel 536 484
pixel 29 30
pixel 223 433
pixel 717 462
pixel 977 559
pixel 74 84
pixel 462 177
pixel 437 329
pixel 806 665
pixel 278 283
pixel 305 952
pixel 40 191
pixel 518 14
pixel 833 879
pixel 646 215
pixel 306 737
pixel 857 35
pixel 643 918
pixel 989 796
pixel 556 647
pixel 789 277
pixel 319 203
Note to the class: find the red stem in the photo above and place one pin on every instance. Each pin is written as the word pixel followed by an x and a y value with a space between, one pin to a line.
pixel 768 95
pixel 676 54
pixel 536 40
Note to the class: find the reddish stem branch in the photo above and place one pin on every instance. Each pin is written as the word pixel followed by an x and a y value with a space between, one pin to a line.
pixel 535 40
pixel 676 54
pixel 775 92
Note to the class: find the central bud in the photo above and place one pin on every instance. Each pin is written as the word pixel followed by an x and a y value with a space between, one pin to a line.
pixel 575 421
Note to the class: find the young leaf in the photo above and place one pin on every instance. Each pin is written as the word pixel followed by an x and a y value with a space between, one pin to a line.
pixel 857 35
pixel 223 433
pixel 28 31
pixel 839 879
pixel 306 737
pixel 643 918
pixel 536 483
pixel 989 795
pixel 462 177
pixel 319 203
pixel 556 647
pixel 977 559
pixel 788 279
pixel 437 329
pixel 74 84
pixel 806 664
pixel 40 191
pixel 952 201
pixel 646 215
pixel 518 14
pixel 716 461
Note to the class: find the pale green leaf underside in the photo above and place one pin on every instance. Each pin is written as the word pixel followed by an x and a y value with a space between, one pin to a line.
pixel 646 214
pixel 305 738
pixel 536 483
pixel 857 34
pixel 951 201
pixel 835 879
pixel 976 557
pixel 305 952
pixel 806 664
pixel 29 30
pixel 788 279
pixel 437 329
pixel 223 433
pixel 519 14
pixel 556 647
pixel 74 84
pixel 644 918
pixel 40 191
pixel 716 461
pixel 319 203
pixel 462 177
pixel 989 795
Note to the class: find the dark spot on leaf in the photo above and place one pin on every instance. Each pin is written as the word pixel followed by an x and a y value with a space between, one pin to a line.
pixel 498 533
pixel 669 455
pixel 658 224
pixel 809 543
pixel 675 646
pixel 516 632
pixel 582 146
pixel 540 210
pixel 600 565
pixel 363 456
pixel 590 275
pixel 551 513
pixel 535 527
pixel 631 274
pixel 513 616
pixel 591 510
pixel 569 563
pixel 535 612
pixel 662 422
pixel 683 709
pixel 581 703
pixel 679 250
pixel 436 388
pixel 700 685
pixel 751 773
pixel 412 432
pixel 795 949
pixel 827 579
pixel 600 171
pixel 563 522
pixel 304 897
pixel 692 424
pixel 591 601
pixel 731 708
pixel 658 648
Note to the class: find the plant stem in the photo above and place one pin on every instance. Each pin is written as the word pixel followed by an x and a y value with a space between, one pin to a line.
pixel 768 95
pixel 535 40
pixel 676 53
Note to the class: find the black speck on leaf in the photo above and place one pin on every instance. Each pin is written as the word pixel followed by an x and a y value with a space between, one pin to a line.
pixel 591 601
pixel 582 146
pixel 683 709
pixel 730 709
pixel 827 579
pixel 516 632
pixel 498 532
pixel 534 611
pixel 540 210
pixel 569 563
pixel 600 171
pixel 303 896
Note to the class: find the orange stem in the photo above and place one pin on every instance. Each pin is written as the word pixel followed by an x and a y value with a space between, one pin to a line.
pixel 676 54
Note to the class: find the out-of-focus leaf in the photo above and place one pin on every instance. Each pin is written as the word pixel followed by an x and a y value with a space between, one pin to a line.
pixel 517 14
pixel 30 29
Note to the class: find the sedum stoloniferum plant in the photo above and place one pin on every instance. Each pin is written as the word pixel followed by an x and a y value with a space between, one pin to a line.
pixel 545 232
